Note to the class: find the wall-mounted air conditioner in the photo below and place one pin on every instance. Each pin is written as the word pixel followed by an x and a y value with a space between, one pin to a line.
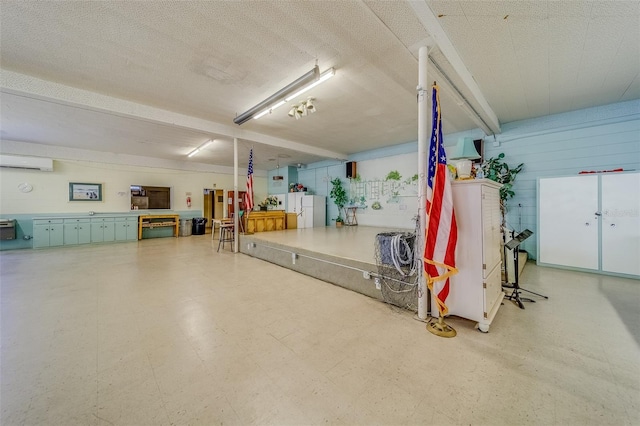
pixel 29 163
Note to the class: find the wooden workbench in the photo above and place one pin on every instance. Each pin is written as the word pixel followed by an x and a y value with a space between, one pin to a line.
pixel 158 221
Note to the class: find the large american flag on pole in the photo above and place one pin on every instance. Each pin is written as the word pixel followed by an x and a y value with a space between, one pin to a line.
pixel 441 233
pixel 249 196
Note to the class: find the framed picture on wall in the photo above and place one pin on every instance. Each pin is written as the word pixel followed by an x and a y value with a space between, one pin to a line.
pixel 85 191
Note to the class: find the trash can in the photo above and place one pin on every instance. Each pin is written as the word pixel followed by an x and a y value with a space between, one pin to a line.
pixel 198 225
pixel 185 227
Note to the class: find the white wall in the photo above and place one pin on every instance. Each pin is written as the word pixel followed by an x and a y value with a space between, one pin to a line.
pixel 51 189
pixel 591 139
pixel 396 212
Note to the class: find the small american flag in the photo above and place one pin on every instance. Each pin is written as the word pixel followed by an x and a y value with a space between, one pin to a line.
pixel 441 235
pixel 249 200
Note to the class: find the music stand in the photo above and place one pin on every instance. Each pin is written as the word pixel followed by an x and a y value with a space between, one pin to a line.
pixel 514 246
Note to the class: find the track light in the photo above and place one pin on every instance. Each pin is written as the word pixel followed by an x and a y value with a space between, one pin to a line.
pixel 306 82
pixel 303 109
pixel 310 107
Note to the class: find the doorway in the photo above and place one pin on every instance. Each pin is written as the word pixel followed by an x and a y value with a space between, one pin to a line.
pixel 208 207
pixel 241 201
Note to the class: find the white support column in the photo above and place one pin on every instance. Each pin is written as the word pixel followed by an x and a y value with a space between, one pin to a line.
pixel 235 196
pixel 423 135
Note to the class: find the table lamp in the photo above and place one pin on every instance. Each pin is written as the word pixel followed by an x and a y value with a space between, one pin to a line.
pixel 464 152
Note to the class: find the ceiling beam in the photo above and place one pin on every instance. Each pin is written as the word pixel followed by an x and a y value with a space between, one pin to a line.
pixel 432 26
pixel 25 85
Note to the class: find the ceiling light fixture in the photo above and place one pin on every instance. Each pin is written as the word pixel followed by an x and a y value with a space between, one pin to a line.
pixel 200 148
pixel 303 109
pixel 306 82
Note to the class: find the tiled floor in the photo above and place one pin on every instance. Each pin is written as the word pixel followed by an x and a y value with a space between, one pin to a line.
pixel 168 331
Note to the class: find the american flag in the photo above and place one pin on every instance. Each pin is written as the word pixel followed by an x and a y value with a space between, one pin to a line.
pixel 249 196
pixel 441 235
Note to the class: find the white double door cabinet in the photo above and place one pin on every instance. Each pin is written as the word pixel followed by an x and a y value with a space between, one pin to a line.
pixel 476 290
pixel 311 209
pixel 590 222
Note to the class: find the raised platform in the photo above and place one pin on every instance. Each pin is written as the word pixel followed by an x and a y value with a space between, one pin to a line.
pixel 344 256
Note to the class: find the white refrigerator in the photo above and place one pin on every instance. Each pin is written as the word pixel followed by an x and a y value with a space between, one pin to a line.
pixel 311 209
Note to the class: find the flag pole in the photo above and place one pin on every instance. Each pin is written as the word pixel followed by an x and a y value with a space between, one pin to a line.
pixel 423 131
pixel 441 232
pixel 235 195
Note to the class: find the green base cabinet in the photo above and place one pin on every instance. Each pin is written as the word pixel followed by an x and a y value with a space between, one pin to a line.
pixel 77 231
pixel 48 233
pixel 103 230
pixel 127 229
pixel 71 231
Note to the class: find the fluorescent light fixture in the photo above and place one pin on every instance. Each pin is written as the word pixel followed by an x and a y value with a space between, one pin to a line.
pixel 268 110
pixel 323 77
pixel 200 148
pixel 306 82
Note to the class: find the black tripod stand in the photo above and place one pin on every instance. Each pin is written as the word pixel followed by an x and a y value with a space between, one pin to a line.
pixel 514 246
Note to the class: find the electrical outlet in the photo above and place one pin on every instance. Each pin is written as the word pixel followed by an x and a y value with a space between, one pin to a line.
pixel 378 286
pixel 366 275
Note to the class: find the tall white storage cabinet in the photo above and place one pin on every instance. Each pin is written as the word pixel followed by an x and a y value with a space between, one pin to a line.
pixel 314 211
pixel 476 290
pixel 294 201
pixel 311 209
pixel 590 222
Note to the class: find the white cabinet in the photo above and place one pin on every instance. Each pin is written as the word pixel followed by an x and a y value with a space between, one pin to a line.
pixel 313 212
pixel 294 202
pixel 590 222
pixel 568 225
pixel 476 290
pixel 620 222
pixel 310 209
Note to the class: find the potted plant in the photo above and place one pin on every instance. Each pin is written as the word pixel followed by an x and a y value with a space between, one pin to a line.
pixel 497 170
pixel 339 197
pixel 269 203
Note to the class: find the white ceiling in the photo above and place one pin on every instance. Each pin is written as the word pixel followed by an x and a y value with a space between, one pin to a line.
pixel 158 79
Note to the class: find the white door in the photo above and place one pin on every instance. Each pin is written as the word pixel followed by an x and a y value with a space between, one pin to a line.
pixel 621 223
pixel 568 225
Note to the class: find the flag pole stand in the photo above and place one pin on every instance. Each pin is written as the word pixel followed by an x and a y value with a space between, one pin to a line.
pixel 440 328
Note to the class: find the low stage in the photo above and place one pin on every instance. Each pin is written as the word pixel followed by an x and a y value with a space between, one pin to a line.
pixel 342 256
